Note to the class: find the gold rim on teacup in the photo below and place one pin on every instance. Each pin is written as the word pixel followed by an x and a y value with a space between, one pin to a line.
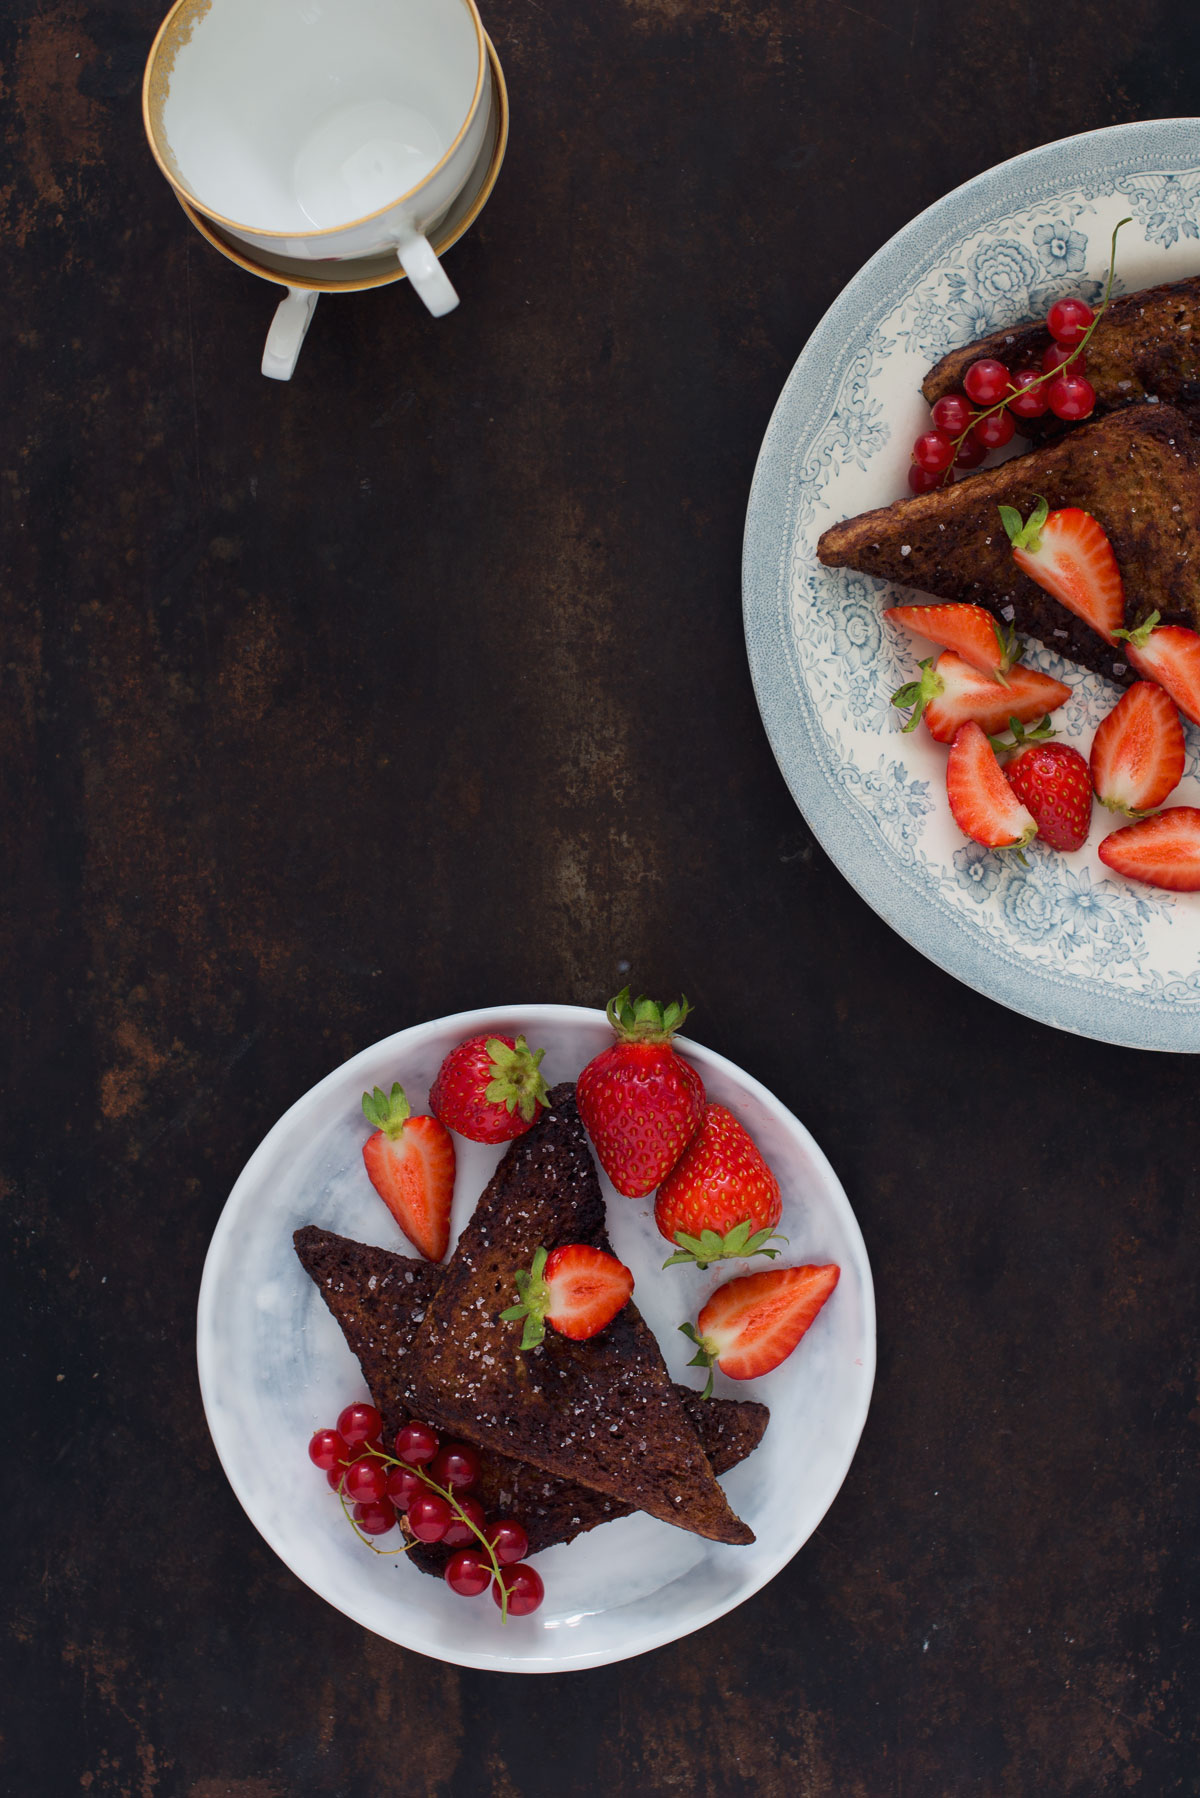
pixel 440 244
pixel 173 34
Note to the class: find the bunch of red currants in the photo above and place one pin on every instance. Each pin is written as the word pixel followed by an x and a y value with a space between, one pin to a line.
pixel 962 436
pixel 429 1482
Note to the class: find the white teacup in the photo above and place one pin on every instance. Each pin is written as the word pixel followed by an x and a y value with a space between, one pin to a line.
pixel 322 130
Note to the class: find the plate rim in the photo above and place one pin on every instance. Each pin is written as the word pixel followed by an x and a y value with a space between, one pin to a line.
pixel 1122 1018
pixel 470 1023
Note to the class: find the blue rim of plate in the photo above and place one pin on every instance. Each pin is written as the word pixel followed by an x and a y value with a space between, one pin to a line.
pixel 846 833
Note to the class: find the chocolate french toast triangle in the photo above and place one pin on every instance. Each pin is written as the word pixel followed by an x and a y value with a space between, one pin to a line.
pixel 602 1412
pixel 379 1299
pixel 1136 471
pixel 1146 343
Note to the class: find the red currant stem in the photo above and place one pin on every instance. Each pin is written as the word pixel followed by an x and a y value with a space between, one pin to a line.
pixel 1052 373
pixel 446 1492
pixel 363 1537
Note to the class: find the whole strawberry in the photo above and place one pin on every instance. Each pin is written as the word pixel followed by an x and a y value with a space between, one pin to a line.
pixel 1054 784
pixel 639 1100
pixel 720 1201
pixel 490 1089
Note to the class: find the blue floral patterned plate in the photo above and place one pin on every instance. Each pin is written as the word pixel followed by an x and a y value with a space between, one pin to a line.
pixel 1061 940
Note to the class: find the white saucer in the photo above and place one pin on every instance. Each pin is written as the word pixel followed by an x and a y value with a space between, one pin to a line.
pixel 353 274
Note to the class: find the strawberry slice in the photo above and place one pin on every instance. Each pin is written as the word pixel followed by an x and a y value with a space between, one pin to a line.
pixel 970 631
pixel 1138 752
pixel 577 1289
pixel 1170 655
pixel 985 807
pixel 411 1164
pixel 950 692
pixel 1068 553
pixel 1164 851
pixel 751 1324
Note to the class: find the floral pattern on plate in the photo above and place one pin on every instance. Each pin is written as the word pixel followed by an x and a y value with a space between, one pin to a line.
pixel 1061 938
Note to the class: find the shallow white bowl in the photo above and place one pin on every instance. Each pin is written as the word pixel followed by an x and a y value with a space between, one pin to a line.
pixel 274 1367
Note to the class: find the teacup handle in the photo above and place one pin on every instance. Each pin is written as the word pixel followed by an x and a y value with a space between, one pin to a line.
pixel 426 273
pixel 293 315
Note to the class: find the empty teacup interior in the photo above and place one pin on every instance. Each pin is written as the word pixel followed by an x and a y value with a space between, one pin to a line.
pixel 296 116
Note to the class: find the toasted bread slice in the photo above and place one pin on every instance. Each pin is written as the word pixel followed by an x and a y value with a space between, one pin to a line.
pixel 602 1412
pixel 380 1298
pixel 1137 472
pixel 1146 346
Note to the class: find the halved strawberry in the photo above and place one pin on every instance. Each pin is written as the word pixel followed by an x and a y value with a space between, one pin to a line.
pixel 751 1324
pixel 578 1289
pixel 970 631
pixel 985 807
pixel 1164 850
pixel 1138 752
pixel 1170 655
pixel 1051 780
pixel 1068 553
pixel 950 692
pixel 411 1164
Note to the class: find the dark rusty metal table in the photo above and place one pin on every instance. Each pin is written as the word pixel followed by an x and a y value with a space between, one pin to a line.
pixel 419 684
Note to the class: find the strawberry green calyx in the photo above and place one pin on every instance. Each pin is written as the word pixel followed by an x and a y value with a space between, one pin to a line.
pixel 707 1353
pixel 1011 648
pixel 534 1301
pixel 738 1244
pixel 1021 738
pixel 388 1112
pixel 918 693
pixel 1027 535
pixel 517 1081
pixel 1140 635
pixel 645 1020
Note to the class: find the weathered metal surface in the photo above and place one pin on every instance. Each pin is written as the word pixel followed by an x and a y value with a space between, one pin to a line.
pixel 419 684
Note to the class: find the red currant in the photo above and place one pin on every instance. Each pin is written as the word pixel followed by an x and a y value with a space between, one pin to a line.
pixel 456 1465
pixel 953 413
pixel 1071 396
pixel 459 1534
pixel 366 1482
pixel 469 1572
pixel 970 452
pixel 933 452
pixel 335 1476
pixel 986 381
pixel 417 1443
pixel 403 1484
pixel 1029 399
pixel 1061 353
pixel 1068 319
pixel 429 1517
pixel 327 1450
pixel 524 1587
pixel 921 481
pixel 359 1423
pixel 374 1519
pixel 994 431
pixel 509 1540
